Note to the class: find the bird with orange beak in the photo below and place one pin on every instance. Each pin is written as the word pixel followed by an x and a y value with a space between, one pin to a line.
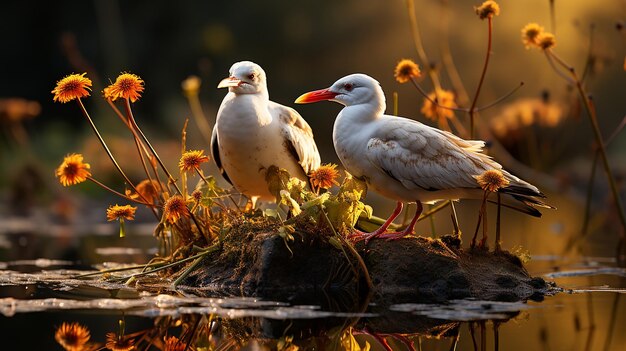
pixel 406 160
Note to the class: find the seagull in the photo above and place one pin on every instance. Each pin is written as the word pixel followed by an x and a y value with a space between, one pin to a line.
pixel 406 160
pixel 252 133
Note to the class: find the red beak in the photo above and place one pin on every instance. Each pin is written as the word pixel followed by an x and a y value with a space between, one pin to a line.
pixel 315 96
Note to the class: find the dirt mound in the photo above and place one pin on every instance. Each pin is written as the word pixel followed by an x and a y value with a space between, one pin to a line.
pixel 257 261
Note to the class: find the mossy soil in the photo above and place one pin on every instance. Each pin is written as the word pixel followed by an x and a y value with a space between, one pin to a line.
pixel 256 261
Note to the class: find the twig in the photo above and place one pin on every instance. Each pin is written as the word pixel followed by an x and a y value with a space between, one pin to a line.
pixel 482 77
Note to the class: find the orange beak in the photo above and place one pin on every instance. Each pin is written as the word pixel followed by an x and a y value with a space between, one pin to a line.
pixel 315 96
pixel 229 82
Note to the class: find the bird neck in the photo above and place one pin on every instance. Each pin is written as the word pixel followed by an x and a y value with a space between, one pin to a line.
pixel 366 111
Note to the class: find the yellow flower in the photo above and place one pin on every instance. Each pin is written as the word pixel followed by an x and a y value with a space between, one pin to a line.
pixel 191 160
pixel 149 189
pixel 405 70
pixel 173 344
pixel 121 212
pixel 74 86
pixel 325 176
pixel 492 180
pixel 72 336
pixel 488 9
pixel 443 98
pixel 126 86
pixel 546 40
pixel 175 208
pixel 191 85
pixel 116 343
pixel 73 171
pixel 530 32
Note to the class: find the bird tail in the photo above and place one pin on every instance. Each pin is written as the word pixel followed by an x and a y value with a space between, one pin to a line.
pixel 524 198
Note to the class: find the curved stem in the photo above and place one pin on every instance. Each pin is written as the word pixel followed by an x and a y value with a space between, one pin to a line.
pixel 419 47
pixel 482 77
pixel 119 194
pixel 591 112
pixel 171 179
pixel 434 101
pixel 499 100
pixel 106 148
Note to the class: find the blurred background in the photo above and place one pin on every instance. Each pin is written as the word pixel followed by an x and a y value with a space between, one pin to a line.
pixel 541 131
pixel 302 46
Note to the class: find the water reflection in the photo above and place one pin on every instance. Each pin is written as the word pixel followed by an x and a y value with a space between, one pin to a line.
pixel 44 294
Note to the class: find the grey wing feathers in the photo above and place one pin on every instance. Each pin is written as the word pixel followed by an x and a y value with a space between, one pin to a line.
pixel 215 152
pixel 423 157
pixel 300 136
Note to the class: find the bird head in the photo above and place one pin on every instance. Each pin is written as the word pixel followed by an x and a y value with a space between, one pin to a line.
pixel 245 78
pixel 354 89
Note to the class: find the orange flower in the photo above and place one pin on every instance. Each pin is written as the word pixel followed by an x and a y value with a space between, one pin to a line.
pixel 74 86
pixel 126 86
pixel 530 32
pixel 116 343
pixel 191 160
pixel 405 70
pixel 121 212
pixel 196 195
pixel 149 189
pixel 173 344
pixel 325 176
pixel 546 40
pixel 437 112
pixel 488 9
pixel 175 208
pixel 73 171
pixel 72 336
pixel 492 180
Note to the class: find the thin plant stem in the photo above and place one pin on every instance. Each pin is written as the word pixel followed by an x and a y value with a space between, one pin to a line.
pixel 121 269
pixel 187 271
pixel 589 62
pixel 482 77
pixel 169 175
pixel 498 246
pixel 366 274
pixel 118 193
pixel 591 113
pixel 455 220
pixel 133 123
pixel 198 115
pixel 588 198
pixel 419 47
pixel 500 99
pixel 169 265
pixel 106 149
pixel 140 146
pixel 434 101
pixel 446 55
pixel 552 17
pixel 480 218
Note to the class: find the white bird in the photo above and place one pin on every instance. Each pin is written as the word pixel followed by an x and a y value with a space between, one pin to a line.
pixel 252 133
pixel 406 160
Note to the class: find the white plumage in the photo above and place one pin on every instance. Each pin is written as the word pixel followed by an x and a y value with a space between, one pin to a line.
pixel 404 159
pixel 252 133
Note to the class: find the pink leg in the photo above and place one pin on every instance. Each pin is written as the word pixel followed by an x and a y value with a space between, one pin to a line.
pixel 408 230
pixel 359 235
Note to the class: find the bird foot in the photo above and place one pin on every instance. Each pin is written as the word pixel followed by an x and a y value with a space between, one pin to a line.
pixel 393 235
pixel 360 236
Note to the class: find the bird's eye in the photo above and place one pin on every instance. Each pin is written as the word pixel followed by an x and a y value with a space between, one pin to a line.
pixel 348 87
pixel 251 76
